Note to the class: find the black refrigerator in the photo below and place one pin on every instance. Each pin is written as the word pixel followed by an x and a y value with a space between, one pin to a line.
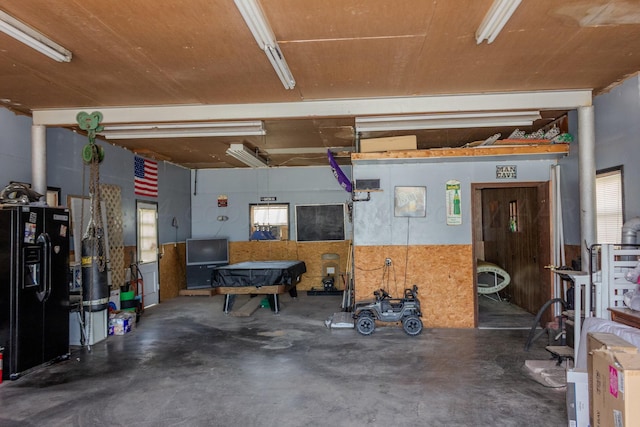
pixel 34 287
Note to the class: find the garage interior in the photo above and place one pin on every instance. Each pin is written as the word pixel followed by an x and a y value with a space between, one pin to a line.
pixel 246 104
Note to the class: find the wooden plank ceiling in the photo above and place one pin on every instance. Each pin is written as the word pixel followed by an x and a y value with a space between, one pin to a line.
pixel 200 52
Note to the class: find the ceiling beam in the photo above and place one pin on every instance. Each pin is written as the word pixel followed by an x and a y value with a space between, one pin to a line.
pixel 549 100
pixel 304 150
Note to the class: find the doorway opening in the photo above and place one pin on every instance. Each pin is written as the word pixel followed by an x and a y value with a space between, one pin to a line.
pixel 147 251
pixel 511 231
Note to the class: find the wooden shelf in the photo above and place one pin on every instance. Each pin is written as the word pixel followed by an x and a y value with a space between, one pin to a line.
pixel 447 154
pixel 522 142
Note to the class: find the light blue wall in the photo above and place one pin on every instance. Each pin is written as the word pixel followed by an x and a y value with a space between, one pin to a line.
pixel 65 170
pixel 15 148
pixel 570 186
pixel 617 118
pixel 375 223
pixel 243 186
pixel 617 134
pixel 175 201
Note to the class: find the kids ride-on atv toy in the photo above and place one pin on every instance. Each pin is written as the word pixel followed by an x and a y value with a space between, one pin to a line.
pixel 387 309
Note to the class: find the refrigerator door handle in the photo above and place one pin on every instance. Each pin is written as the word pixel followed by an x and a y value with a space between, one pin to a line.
pixel 45 241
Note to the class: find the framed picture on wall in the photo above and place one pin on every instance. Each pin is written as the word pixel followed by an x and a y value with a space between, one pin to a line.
pixel 410 201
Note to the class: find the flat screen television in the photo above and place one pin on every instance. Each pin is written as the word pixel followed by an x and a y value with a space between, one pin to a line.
pixel 207 251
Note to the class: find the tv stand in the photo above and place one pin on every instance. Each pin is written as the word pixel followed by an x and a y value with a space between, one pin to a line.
pixel 199 276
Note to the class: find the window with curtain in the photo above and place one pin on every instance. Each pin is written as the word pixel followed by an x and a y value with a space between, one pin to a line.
pixel 269 222
pixel 609 205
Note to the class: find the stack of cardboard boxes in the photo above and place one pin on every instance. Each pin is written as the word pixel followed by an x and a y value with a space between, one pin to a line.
pixel 602 395
pixel 613 367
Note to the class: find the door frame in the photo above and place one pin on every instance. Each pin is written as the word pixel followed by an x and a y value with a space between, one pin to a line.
pixel 544 225
pixel 139 204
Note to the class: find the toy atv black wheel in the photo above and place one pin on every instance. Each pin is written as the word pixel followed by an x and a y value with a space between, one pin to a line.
pixel 365 324
pixel 412 325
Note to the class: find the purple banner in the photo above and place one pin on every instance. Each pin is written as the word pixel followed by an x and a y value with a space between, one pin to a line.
pixel 337 172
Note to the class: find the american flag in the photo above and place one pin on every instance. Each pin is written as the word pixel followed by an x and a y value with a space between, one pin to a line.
pixel 146 177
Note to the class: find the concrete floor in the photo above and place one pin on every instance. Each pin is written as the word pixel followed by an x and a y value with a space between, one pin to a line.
pixel 493 314
pixel 189 364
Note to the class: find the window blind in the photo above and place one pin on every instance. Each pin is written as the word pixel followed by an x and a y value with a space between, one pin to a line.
pixel 609 207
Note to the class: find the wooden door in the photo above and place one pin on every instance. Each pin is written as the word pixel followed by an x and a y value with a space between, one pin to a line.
pixel 514 232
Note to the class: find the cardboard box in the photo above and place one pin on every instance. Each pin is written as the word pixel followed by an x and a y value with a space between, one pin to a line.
pixel 119 326
pixel 607 341
pixel 121 323
pixel 599 340
pixel 578 398
pixel 616 389
pixel 372 145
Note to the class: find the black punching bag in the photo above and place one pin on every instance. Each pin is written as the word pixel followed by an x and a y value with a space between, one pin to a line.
pixel 95 284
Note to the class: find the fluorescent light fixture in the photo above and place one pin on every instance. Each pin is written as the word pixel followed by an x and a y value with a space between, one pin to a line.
pixel 256 21
pixel 32 38
pixel 183 130
pixel 495 19
pixel 242 153
pixel 446 121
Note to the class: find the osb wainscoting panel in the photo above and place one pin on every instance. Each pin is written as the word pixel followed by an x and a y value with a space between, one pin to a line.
pixel 443 273
pixel 309 252
pixel 173 275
